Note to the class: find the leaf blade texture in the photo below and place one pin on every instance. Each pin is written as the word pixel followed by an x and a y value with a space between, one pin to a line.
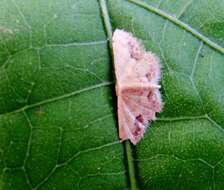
pixel 55 61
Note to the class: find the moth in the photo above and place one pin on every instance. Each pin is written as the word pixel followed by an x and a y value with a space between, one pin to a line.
pixel 137 85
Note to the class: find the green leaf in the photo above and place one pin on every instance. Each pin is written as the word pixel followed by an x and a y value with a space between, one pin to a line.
pixel 58 125
pixel 204 15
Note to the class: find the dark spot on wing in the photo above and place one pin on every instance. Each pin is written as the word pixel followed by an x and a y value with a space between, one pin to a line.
pixel 148 76
pixel 150 94
pixel 139 118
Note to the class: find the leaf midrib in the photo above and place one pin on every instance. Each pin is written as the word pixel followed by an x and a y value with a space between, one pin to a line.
pixel 127 144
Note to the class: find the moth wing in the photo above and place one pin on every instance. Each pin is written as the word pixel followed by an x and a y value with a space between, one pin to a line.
pixel 135 110
pixel 148 98
pixel 137 76
pixel 132 62
pixel 128 127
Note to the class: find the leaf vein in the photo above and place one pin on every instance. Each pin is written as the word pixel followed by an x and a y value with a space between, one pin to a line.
pixel 50 100
pixel 178 23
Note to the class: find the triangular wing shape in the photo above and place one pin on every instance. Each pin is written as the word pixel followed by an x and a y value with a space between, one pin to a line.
pixel 137 77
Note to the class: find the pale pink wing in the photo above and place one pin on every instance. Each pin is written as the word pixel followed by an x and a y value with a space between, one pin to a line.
pixel 136 108
pixel 132 62
pixel 137 76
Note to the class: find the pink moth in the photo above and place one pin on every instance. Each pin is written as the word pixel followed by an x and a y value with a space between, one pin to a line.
pixel 137 85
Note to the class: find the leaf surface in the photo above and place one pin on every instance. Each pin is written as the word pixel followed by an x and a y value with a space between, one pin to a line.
pixel 58 125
